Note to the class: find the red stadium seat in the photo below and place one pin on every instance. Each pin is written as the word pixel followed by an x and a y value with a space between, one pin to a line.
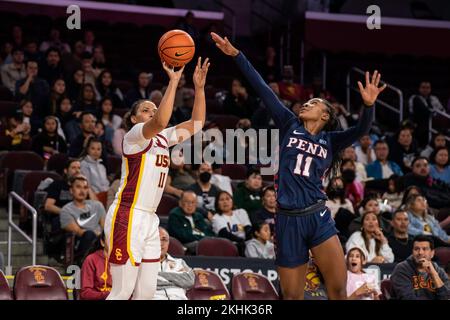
pixel 176 248
pixel 5 290
pixel 216 247
pixel 31 182
pixel 386 289
pixel 208 286
pixel 57 162
pixel 234 171
pixel 167 203
pixel 39 283
pixel 252 286
pixel 443 255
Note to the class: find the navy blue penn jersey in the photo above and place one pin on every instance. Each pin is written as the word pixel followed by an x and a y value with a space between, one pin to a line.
pixel 304 158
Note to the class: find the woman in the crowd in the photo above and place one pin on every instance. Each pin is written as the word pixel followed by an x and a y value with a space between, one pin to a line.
pixel 403 149
pixel 49 142
pixel 57 92
pixel 261 245
pixel 371 203
pixel 269 210
pixel 75 85
pixel 87 101
pixel 360 285
pixel 440 168
pixel 371 240
pixel 26 106
pixel 106 88
pixel 437 141
pixel 393 194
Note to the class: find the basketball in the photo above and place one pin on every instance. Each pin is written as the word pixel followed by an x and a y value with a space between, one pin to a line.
pixel 176 48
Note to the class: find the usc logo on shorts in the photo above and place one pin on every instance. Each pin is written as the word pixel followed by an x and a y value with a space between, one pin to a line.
pixel 118 254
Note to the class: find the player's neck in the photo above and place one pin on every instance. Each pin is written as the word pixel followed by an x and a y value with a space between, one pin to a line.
pixel 312 127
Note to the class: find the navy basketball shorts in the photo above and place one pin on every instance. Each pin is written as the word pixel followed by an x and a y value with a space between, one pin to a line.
pixel 296 234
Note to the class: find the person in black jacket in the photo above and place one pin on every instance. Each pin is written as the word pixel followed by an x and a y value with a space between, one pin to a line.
pixel 403 149
pixel 49 142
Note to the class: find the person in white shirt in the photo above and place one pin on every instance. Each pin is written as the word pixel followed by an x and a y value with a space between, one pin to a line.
pixel 371 240
pixel 260 246
pixel 364 152
pixel 175 277
pixel 360 285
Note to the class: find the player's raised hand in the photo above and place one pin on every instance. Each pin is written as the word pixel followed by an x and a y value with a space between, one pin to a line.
pixel 224 45
pixel 200 72
pixel 173 75
pixel 370 92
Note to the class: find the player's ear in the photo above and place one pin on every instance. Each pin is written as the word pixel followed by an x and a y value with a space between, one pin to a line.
pixel 133 119
pixel 325 116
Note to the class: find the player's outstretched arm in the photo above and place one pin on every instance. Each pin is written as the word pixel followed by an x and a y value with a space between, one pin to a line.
pixel 281 115
pixel 162 116
pixel 188 128
pixel 369 94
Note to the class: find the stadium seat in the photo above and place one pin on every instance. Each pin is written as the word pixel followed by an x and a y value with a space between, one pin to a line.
pixel 14 160
pixel 32 180
pixel 176 248
pixel 386 289
pixel 39 283
pixel 167 203
pixel 234 171
pixel 208 286
pixel 5 290
pixel 443 255
pixel 57 162
pixel 216 247
pixel 252 286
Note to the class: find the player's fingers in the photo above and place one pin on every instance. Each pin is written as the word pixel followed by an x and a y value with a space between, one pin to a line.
pixel 199 62
pixel 367 78
pixel 205 63
pixel 360 86
pixel 374 76
pixel 377 80
pixel 382 88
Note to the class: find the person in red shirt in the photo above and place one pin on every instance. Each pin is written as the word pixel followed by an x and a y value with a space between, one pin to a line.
pixel 96 281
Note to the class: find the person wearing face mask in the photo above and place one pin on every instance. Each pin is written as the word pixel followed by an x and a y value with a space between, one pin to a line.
pixel 248 193
pixel 354 190
pixel 206 192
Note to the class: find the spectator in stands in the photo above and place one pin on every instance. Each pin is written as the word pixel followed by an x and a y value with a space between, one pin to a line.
pixel 207 192
pixel 440 168
pixel 261 245
pixel 118 136
pixel 436 192
pixel 90 74
pixel 402 149
pixel 238 102
pixel 5 53
pixel 422 106
pixel 75 84
pixel 179 178
pixel 248 193
pixel 156 97
pixel 360 285
pixel 31 51
pixel 81 217
pixel 110 120
pixel 399 240
pixel 87 126
pixel 26 108
pixel 269 208
pixel 269 68
pixel 187 24
pixel 72 62
pixel 64 113
pixel 437 141
pixel 16 38
pixel 141 90
pixel 382 168
pixel 54 41
pixel 48 142
pixel 290 90
pixel 344 117
pixel 364 151
pixel 219 180
pixel 33 88
pixel 183 111
pixel 230 223
pixel 418 278
pixel 89 41
pixel 94 170
pixel 96 280
pixel 370 204
pixel 57 92
pixel 87 101
pixel 51 69
pixel 371 240
pixel 393 194
pixel 17 132
pixel 106 88
pixel 98 58
pixel 175 277
pixel 420 222
pixel 350 154
pixel 187 224
pixel 354 190
pixel 14 71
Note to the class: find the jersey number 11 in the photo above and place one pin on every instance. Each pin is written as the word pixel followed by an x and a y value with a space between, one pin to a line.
pixel 306 166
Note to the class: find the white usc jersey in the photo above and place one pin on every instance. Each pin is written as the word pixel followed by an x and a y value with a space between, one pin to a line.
pixel 145 166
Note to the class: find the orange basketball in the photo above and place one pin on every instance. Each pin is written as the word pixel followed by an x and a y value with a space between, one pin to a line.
pixel 176 48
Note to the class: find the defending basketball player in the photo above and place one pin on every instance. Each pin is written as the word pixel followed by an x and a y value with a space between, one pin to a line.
pixel 131 224
pixel 309 150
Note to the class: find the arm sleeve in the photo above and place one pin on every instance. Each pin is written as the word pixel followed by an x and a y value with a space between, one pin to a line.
pixel 224 233
pixel 218 223
pixel 134 140
pixel 402 284
pixel 170 134
pixel 387 253
pixel 280 114
pixel 250 250
pixel 88 291
pixel 52 191
pixel 342 139
pixel 184 279
pixel 443 293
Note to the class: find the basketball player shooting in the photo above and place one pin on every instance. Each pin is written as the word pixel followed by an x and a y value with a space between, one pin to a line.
pixel 309 151
pixel 131 224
